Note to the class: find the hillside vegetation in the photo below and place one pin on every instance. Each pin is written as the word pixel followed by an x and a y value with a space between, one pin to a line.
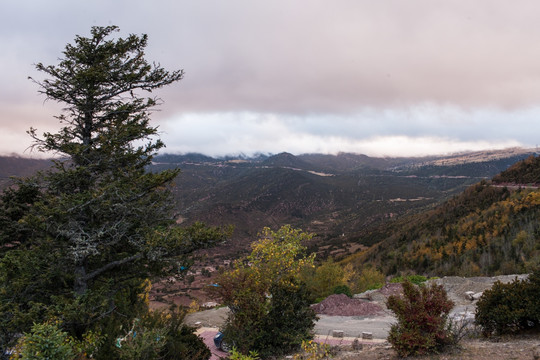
pixel 19 166
pixel 341 198
pixel 525 172
pixel 488 229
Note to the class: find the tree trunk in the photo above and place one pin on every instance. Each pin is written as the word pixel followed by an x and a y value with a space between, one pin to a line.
pixel 81 282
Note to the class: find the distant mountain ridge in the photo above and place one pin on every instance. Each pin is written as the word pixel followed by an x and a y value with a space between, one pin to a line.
pixel 19 166
pixel 351 161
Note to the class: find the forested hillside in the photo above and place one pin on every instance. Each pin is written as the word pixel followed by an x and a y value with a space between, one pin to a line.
pixel 489 229
pixel 341 198
pixel 526 172
pixel 19 166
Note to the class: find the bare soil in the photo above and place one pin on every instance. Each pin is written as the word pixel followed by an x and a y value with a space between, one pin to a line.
pixel 342 305
pixel 507 348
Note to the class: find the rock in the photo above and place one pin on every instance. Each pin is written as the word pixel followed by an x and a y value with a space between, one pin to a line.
pixel 366 295
pixel 338 333
pixel 210 304
pixel 356 345
pixel 367 335
pixel 473 296
pixel 478 295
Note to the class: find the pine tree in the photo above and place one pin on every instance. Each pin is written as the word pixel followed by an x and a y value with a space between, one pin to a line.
pixel 98 223
pixel 102 203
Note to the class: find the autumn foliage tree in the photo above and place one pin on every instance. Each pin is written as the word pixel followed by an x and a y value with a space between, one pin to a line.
pixel 270 307
pixel 422 319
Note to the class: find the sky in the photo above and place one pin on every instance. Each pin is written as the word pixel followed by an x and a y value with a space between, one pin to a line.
pixel 381 78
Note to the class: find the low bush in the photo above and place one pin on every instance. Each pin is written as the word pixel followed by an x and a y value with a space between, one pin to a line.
pixel 323 279
pixel 415 279
pixel 272 325
pixel 236 355
pixel 289 321
pixel 368 279
pixel 49 341
pixel 343 289
pixel 312 350
pixel 422 315
pixel 511 307
pixel 269 301
pixel 161 335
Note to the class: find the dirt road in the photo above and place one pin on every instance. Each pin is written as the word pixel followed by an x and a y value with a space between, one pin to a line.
pixel 352 326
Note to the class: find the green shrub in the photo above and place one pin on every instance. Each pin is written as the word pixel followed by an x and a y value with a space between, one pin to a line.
pixel 289 321
pixel 45 341
pixel 533 306
pixel 269 302
pixel 49 341
pixel 272 326
pixel 236 355
pixel 140 343
pixel 422 315
pixel 343 289
pixel 369 279
pixel 161 335
pixel 512 307
pixel 415 279
pixel 321 280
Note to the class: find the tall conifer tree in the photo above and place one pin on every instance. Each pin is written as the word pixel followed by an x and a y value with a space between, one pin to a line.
pixel 98 223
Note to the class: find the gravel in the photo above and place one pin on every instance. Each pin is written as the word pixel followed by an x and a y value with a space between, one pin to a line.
pixel 342 305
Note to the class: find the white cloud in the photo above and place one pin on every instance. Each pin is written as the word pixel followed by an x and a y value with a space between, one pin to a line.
pixel 303 76
pixel 409 132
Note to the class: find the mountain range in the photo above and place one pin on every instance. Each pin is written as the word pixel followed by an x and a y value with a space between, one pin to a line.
pixel 350 201
pixel 342 198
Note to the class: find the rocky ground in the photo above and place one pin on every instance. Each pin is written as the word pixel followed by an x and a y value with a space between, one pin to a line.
pixel 367 312
pixel 526 347
pixel 464 292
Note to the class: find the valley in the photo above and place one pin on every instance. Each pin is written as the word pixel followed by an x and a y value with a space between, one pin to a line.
pixel 361 215
pixel 363 210
pixel 341 198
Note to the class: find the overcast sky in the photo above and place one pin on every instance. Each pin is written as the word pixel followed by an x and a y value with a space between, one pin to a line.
pixel 378 77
